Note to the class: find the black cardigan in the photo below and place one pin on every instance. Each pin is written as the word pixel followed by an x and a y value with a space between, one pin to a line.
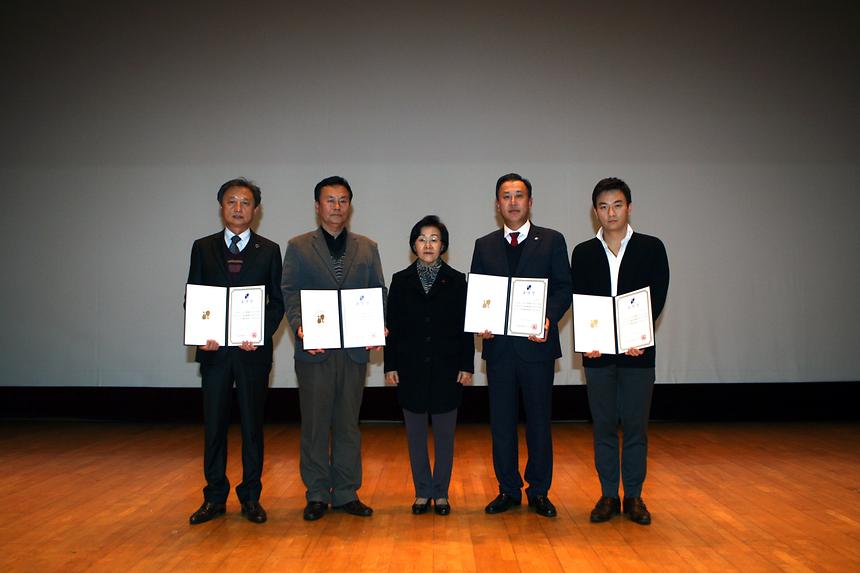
pixel 426 344
pixel 644 264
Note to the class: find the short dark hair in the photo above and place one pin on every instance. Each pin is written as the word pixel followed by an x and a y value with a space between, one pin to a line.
pixel 241 182
pixel 429 221
pixel 513 177
pixel 332 181
pixel 610 184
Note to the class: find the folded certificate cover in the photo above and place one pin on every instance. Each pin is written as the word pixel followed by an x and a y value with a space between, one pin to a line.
pixel 359 312
pixel 501 305
pixel 228 316
pixel 613 325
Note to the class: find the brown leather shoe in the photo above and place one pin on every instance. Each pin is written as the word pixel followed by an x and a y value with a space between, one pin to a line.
pixel 209 510
pixel 606 509
pixel 635 508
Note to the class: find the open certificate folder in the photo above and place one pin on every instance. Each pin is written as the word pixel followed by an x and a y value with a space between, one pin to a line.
pixel 359 311
pixel 501 305
pixel 613 325
pixel 226 315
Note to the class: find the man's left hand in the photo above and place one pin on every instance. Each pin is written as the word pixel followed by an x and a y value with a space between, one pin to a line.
pixel 534 338
pixel 634 352
pixel 248 346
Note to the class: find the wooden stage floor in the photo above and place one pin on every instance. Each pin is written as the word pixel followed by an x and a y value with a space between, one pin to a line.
pixel 81 496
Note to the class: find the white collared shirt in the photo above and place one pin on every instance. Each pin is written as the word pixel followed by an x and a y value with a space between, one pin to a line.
pixel 523 232
pixel 244 237
pixel 615 261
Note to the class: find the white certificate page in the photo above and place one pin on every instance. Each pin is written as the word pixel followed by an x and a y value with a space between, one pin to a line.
pixel 363 317
pixel 593 324
pixel 527 314
pixel 486 302
pixel 247 312
pixel 320 319
pixel 205 314
pixel 633 319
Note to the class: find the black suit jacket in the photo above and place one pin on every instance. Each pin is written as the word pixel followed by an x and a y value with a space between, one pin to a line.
pixel 262 266
pixel 644 264
pixel 544 256
pixel 426 344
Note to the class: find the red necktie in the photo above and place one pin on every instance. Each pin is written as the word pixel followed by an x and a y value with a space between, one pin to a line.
pixel 514 236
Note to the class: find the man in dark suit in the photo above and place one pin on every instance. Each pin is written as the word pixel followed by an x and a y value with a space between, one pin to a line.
pixel 235 257
pixel 331 382
pixel 619 386
pixel 523 366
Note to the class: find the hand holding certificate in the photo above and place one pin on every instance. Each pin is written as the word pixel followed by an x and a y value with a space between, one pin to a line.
pixel 499 305
pixel 613 325
pixel 359 310
pixel 235 315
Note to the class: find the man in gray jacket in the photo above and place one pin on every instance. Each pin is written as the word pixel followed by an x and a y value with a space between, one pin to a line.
pixel 331 382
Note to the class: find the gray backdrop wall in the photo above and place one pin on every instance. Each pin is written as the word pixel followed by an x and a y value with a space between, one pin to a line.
pixel 736 125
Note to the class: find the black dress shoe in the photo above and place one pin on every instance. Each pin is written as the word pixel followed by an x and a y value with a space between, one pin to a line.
pixel 503 502
pixel 355 507
pixel 314 510
pixel 606 509
pixel 635 508
pixel 254 512
pixel 209 510
pixel 421 508
pixel 443 508
pixel 543 506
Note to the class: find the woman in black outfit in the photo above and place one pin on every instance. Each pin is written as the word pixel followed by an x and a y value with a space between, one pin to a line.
pixel 429 357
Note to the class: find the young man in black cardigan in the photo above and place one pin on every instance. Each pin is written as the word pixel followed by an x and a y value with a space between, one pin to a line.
pixel 619 386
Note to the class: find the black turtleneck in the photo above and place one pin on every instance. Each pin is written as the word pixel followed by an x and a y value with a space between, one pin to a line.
pixel 336 245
